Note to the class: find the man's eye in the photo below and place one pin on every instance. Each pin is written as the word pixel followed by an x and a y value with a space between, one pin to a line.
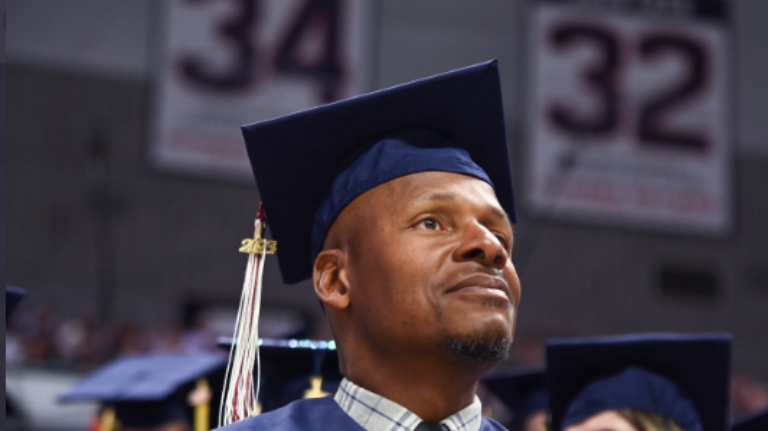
pixel 430 224
pixel 503 240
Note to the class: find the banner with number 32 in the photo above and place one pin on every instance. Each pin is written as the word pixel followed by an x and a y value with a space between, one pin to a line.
pixel 629 114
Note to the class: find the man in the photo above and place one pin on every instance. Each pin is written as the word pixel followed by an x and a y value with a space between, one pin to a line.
pixel 399 206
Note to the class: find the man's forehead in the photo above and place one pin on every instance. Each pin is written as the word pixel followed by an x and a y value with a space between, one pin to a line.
pixel 436 187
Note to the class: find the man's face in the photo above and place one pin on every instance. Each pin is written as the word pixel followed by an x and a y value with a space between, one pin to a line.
pixel 429 265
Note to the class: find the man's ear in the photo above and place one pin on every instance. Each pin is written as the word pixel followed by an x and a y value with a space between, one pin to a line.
pixel 330 277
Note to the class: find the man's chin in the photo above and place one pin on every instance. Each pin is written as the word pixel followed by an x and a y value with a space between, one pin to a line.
pixel 490 344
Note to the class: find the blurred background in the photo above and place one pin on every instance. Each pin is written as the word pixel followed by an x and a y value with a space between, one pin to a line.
pixel 638 141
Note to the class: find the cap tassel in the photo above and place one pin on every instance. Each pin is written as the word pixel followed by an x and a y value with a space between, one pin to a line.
pixel 241 393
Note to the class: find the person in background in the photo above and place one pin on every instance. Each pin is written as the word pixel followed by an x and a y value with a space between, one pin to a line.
pixel 640 383
pixel 749 396
pixel 152 392
pixel 293 369
pixel 524 392
pixel 398 205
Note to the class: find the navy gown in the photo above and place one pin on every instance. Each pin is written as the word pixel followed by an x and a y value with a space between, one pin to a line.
pixel 315 414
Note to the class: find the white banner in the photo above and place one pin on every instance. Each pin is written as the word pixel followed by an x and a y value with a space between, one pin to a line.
pixel 629 114
pixel 226 63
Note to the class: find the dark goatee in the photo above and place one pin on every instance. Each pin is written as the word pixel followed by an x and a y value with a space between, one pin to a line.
pixel 481 348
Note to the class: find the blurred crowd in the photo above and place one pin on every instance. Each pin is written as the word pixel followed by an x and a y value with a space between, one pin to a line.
pixel 40 337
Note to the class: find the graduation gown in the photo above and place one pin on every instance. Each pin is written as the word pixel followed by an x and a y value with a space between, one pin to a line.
pixel 315 414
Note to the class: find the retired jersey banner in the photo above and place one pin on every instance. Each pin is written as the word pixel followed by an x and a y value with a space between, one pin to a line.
pixel 226 63
pixel 629 118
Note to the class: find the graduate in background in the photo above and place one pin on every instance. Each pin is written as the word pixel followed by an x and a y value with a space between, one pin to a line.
pixel 524 392
pixel 294 369
pixel 157 392
pixel 398 205
pixel 640 383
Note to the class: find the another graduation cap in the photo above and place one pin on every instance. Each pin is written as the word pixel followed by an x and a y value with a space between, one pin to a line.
pixel 524 391
pixel 681 377
pixel 758 422
pixel 294 369
pixel 13 296
pixel 150 390
pixel 310 165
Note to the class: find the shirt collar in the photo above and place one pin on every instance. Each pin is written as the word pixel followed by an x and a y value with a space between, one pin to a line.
pixel 376 413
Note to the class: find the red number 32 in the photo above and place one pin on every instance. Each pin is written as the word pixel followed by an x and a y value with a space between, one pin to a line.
pixel 604 79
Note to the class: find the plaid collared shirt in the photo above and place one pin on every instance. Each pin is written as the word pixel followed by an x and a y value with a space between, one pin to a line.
pixel 376 413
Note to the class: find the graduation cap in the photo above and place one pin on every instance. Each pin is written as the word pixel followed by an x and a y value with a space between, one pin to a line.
pixel 293 369
pixel 13 295
pixel 310 165
pixel 146 391
pixel 758 422
pixel 684 378
pixel 524 391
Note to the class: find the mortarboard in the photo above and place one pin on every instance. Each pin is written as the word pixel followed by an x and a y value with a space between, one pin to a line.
pixel 524 391
pixel 682 377
pixel 294 369
pixel 758 422
pixel 309 165
pixel 13 296
pixel 146 391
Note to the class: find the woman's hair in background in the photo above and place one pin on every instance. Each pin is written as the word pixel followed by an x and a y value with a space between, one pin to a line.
pixel 648 421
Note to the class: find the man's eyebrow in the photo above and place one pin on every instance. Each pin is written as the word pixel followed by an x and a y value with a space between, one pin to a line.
pixel 436 196
pixel 500 213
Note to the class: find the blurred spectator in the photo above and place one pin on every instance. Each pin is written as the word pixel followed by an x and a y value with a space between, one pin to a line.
pixel 130 339
pixel 14 347
pixel 39 344
pixel 168 339
pixel 198 338
pixel 748 395
pixel 41 338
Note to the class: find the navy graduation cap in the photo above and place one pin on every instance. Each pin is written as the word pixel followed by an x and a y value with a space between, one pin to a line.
pixel 523 390
pixel 146 391
pixel 758 422
pixel 310 165
pixel 681 377
pixel 13 295
pixel 294 369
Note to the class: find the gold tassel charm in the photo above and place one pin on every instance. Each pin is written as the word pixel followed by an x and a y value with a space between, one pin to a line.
pixel 257 244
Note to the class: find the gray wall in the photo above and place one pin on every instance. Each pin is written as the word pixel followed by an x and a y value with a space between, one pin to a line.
pixel 82 65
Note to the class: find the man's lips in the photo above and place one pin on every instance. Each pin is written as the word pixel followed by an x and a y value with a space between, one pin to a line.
pixel 483 284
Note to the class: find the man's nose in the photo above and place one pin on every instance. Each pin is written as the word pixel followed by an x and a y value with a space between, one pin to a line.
pixel 480 245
